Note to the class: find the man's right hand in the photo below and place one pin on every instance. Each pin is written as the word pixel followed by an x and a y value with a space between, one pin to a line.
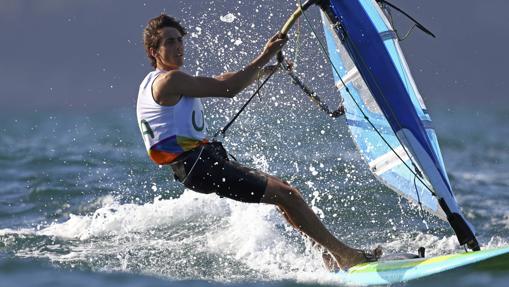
pixel 275 44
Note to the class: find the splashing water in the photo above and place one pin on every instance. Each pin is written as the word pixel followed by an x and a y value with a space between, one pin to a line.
pixel 178 239
pixel 228 18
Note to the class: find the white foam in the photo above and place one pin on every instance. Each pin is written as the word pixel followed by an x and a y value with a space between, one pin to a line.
pixel 254 235
pixel 434 245
pixel 228 18
pixel 151 237
pixel 253 238
pixel 114 219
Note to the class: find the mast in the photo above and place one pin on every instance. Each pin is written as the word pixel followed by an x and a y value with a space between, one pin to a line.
pixel 409 142
pixel 365 33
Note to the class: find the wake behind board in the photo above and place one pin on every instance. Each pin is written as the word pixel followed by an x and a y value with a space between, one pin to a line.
pixel 397 271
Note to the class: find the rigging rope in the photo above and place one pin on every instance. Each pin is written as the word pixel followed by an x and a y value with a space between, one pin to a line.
pixel 416 173
pixel 281 62
pixel 312 95
pixel 316 99
pixel 421 209
pixel 416 23
pixel 387 9
pixel 223 130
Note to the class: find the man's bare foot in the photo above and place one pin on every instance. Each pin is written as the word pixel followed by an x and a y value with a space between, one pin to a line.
pixel 354 257
pixel 329 262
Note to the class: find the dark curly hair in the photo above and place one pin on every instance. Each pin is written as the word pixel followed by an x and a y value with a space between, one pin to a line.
pixel 152 37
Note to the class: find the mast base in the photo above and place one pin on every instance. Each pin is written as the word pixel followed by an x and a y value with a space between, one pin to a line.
pixel 461 227
pixel 474 245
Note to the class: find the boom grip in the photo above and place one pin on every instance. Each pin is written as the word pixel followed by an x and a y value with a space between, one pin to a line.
pixel 291 21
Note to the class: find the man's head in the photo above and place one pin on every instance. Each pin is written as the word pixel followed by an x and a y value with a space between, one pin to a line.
pixel 162 39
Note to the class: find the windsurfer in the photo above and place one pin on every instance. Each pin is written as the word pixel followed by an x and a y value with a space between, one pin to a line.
pixel 171 119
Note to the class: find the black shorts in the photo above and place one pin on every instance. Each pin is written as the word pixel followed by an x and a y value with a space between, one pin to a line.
pixel 207 170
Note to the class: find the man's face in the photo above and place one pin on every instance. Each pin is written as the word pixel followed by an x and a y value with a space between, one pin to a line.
pixel 170 54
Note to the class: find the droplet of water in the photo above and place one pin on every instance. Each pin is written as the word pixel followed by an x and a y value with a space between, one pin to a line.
pixel 228 18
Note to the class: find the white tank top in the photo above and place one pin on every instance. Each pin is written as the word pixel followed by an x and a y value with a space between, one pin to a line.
pixel 169 129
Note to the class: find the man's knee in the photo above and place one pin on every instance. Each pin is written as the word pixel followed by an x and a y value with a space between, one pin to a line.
pixel 281 193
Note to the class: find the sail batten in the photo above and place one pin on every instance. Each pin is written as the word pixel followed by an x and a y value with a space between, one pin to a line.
pixel 388 161
pixel 349 77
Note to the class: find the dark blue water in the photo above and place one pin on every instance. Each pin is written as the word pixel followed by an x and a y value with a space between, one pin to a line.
pixel 81 202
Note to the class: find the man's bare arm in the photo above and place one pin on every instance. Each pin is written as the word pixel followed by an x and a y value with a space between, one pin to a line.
pixel 168 87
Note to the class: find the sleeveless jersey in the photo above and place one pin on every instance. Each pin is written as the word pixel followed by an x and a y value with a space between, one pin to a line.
pixel 169 131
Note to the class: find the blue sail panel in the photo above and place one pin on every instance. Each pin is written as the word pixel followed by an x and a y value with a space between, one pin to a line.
pixel 382 161
pixel 369 61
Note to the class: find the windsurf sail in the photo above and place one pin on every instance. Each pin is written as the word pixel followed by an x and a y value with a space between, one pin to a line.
pixel 385 113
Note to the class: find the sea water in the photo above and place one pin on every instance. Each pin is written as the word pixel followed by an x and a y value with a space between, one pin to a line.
pixel 81 202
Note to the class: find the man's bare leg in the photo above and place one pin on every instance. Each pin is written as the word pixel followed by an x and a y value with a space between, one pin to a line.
pixel 328 261
pixel 300 215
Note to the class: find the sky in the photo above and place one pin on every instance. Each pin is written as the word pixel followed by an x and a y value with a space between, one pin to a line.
pixel 88 54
